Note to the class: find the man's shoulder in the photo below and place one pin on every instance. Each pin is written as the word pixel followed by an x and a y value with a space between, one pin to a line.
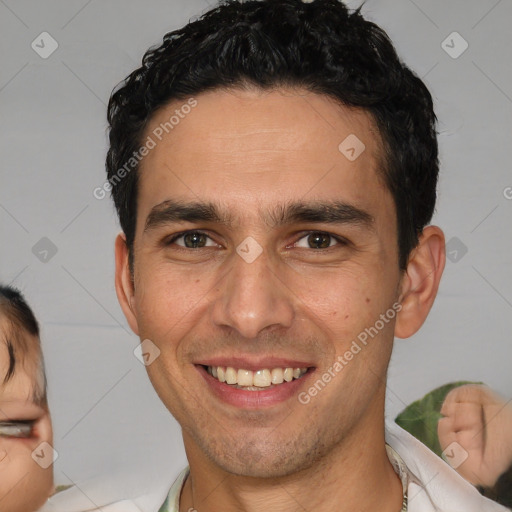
pixel 433 484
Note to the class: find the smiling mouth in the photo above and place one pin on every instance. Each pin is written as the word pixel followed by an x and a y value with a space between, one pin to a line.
pixel 259 380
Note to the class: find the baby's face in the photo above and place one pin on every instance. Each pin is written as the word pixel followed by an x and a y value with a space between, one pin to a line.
pixel 24 483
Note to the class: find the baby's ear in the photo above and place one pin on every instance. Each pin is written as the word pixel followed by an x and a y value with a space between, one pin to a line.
pixel 420 281
pixel 124 282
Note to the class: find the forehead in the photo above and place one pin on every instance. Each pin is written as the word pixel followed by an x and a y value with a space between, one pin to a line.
pixel 260 147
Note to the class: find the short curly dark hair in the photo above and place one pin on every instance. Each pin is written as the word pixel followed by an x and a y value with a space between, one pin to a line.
pixel 319 46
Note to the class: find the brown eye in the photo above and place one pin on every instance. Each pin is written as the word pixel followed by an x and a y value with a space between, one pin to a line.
pixel 319 240
pixel 192 240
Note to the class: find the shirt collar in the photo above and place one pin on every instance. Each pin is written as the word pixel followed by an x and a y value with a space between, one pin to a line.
pixel 172 502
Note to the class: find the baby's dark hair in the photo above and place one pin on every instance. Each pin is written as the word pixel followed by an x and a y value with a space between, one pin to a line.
pixel 18 319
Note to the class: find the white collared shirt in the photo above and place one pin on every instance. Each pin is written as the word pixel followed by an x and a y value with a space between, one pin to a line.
pixel 429 483
pixel 431 486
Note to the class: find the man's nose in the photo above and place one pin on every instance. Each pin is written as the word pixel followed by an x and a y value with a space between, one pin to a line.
pixel 253 297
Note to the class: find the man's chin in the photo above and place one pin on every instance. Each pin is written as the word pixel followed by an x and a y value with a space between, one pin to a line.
pixel 262 460
pixel 270 469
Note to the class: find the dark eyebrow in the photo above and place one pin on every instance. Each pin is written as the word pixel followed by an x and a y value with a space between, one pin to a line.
pixel 331 212
pixel 177 211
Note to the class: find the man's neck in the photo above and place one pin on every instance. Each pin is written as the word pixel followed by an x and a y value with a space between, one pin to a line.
pixel 357 475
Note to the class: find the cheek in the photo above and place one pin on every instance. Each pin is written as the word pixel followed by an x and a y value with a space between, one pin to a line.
pixel 341 298
pixel 171 303
pixel 348 304
pixel 164 295
pixel 24 486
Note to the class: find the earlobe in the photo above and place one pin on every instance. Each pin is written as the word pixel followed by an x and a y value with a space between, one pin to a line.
pixel 421 281
pixel 124 284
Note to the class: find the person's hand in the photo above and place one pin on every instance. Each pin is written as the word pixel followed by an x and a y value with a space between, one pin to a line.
pixel 481 422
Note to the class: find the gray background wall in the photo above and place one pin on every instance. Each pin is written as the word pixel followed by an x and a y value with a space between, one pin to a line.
pixel 53 125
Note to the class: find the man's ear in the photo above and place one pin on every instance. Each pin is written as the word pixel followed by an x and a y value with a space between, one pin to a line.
pixel 124 283
pixel 420 281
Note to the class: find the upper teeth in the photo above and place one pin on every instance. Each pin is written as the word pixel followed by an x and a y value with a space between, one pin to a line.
pixel 260 378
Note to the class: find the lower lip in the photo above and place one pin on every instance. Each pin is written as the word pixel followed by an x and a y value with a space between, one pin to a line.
pixel 254 399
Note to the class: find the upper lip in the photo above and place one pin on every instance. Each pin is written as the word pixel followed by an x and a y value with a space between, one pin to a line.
pixel 253 363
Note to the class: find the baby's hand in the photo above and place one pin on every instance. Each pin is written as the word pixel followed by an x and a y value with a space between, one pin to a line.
pixel 481 422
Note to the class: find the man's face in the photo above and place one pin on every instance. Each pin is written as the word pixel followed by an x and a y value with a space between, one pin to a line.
pixel 24 484
pixel 261 294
